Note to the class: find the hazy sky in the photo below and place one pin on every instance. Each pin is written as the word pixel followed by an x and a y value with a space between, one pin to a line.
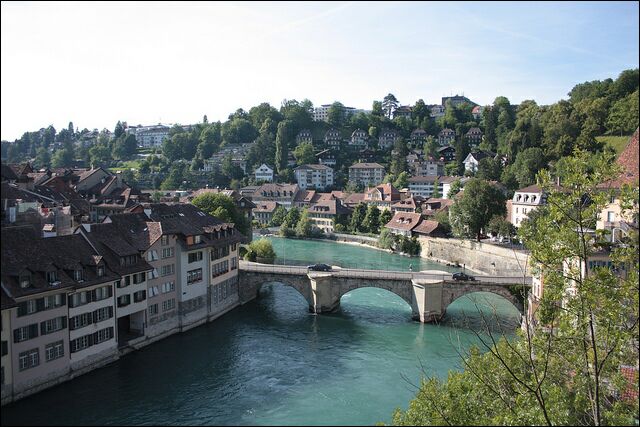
pixel 144 63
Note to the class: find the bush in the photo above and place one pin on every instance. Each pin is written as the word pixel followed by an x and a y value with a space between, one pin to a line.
pixel 261 248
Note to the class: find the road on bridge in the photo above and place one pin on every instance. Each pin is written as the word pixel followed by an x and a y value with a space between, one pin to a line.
pixel 375 274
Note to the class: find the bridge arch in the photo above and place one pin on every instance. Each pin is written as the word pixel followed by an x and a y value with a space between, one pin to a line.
pixel 451 294
pixel 403 289
pixel 303 288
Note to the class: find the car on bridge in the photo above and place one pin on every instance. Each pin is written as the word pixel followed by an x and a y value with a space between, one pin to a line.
pixel 319 267
pixel 462 276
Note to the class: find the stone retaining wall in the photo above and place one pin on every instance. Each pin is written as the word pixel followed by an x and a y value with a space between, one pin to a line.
pixel 483 257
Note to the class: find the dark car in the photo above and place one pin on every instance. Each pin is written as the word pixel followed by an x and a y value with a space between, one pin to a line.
pixel 462 276
pixel 319 267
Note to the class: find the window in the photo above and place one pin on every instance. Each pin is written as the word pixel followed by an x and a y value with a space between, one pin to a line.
pixel 139 277
pixel 81 343
pixel 153 309
pixel 102 314
pixel 139 296
pixel 53 301
pixel 52 276
pixel 167 252
pixel 102 292
pixel 5 348
pixel 25 280
pixel 153 291
pixel 27 307
pixel 195 256
pixel 154 274
pixel 53 325
pixel 215 294
pixel 80 321
pixel 152 255
pixel 197 239
pixel 169 304
pixel 79 298
pixel 234 246
pixel 219 268
pixel 29 359
pixel 124 300
pixel 25 333
pixel 611 216
pixel 168 287
pixel 167 269
pixel 77 275
pixel 194 276
pixel 100 271
pixel 102 335
pixel 164 240
pixel 54 351
pixel 234 263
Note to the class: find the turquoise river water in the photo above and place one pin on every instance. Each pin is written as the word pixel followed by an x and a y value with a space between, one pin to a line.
pixel 272 362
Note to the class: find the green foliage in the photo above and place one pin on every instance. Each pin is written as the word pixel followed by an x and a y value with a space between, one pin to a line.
pixel 454 188
pixel 387 239
pixel 385 217
pixel 489 169
pixel 304 154
pixel 623 116
pixel 402 180
pixel 283 139
pixel 357 218
pixel 336 115
pixel 471 213
pixel 292 218
pixel 409 245
pixel 436 189
pixel 389 105
pixel 222 207
pixel 528 163
pixel 261 249
pixel 399 160
pixel 371 221
pixel 278 216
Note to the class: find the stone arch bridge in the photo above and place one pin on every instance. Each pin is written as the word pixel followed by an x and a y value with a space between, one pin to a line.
pixel 429 295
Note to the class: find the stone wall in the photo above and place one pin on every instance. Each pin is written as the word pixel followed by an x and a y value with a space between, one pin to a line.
pixel 481 257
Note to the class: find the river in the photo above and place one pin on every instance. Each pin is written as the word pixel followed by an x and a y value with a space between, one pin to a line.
pixel 271 362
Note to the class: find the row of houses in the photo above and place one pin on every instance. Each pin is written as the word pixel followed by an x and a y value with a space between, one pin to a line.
pixel 73 303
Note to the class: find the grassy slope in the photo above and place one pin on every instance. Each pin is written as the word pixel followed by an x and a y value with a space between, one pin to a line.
pixel 617 142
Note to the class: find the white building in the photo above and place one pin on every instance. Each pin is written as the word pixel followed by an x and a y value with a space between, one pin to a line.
pixel 264 173
pixel 424 186
pixel 473 159
pixel 150 136
pixel 367 174
pixel 429 168
pixel 318 177
pixel 524 201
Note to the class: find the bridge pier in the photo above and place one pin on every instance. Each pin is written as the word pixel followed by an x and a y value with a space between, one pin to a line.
pixel 325 298
pixel 427 300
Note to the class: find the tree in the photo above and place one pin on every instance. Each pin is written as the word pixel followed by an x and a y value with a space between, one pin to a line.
pixel 283 139
pixel 99 154
pixel 385 217
pixel 371 221
pixel 431 147
pixel 399 160
pixel 336 115
pixel 454 188
pixel 304 154
pixel 224 208
pixel 565 368
pixel 261 248
pixel 489 169
pixel 623 115
pixel 357 218
pixel 119 130
pixel 173 181
pixel 436 189
pixel 389 105
pixel 292 218
pixel 278 216
pixel 43 158
pixel 527 165
pixel 402 181
pixel 471 213
pixel 304 226
pixel 62 157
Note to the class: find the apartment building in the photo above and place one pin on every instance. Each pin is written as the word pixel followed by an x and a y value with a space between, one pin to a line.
pixel 366 174
pixel 424 186
pixel 318 177
pixel 264 173
pixel 284 194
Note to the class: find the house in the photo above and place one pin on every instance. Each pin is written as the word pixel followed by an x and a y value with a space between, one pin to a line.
pixel 387 138
pixel 366 155
pixel 524 201
pixel 382 196
pixel 332 138
pixel 418 137
pixel 409 204
pixel 402 111
pixel 57 303
pixel 359 138
pixel 263 212
pixel 433 206
pixel 457 100
pixel 429 228
pixel 447 154
pixel 325 213
pixel 264 173
pixel 403 223
pixel 284 194
pixel 474 136
pixel 473 159
pixel 436 110
pixel 366 174
pixel 318 177
pixel 327 157
pixel 477 112
pixel 446 137
pixel 304 136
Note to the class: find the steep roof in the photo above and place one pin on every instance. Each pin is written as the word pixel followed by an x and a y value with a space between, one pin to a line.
pixel 404 221
pixel 366 166
pixel 628 162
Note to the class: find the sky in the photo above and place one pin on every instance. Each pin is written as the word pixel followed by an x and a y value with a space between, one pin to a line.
pixel 173 62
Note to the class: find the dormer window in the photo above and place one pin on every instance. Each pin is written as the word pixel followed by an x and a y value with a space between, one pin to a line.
pixel 25 281
pixel 197 239
pixel 52 276
pixel 77 275
pixel 100 271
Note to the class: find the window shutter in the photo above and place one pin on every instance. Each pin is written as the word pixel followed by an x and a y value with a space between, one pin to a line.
pixel 43 328
pixel 89 318
pixel 111 332
pixel 16 335
pixel 110 293
pixel 64 322
pixel 71 301
pixel 93 296
pixel 22 309
pixel 92 338
pixel 95 316
pixel 110 312
pixel 33 330
pixel 63 299
pixel 40 304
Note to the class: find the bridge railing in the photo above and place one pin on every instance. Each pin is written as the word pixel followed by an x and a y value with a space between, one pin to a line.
pixel 378 274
